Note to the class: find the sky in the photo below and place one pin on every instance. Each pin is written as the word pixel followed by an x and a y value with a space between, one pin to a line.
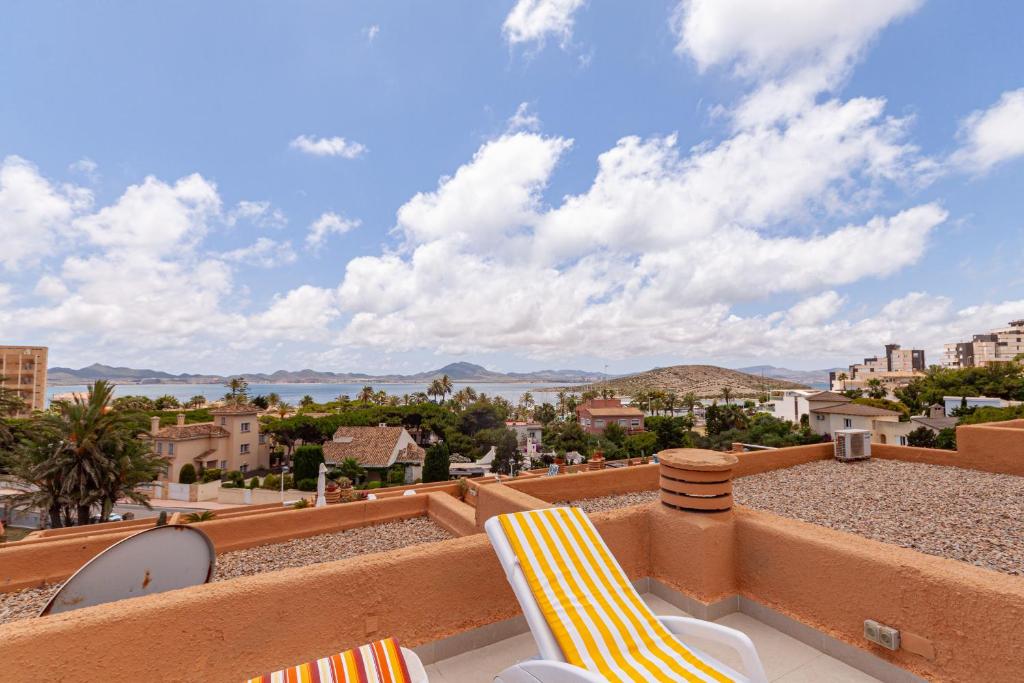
pixel 391 186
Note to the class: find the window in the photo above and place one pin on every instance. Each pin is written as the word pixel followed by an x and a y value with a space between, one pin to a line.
pixel 847 422
pixel 819 417
pixel 223 421
pixel 243 468
pixel 635 422
pixel 599 423
pixel 223 465
pixel 170 449
pixel 159 447
pixel 903 441
pixel 586 422
pixel 622 422
pixel 244 448
pixel 263 438
pixel 245 426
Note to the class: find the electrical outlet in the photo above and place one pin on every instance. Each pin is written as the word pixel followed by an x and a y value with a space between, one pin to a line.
pixel 880 634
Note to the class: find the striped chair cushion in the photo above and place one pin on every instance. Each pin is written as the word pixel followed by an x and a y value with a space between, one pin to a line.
pixel 597 617
pixel 379 662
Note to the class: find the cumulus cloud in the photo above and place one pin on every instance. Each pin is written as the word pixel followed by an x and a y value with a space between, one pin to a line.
pixel 533 21
pixel 261 214
pixel 523 119
pixel 328 147
pixel 371 32
pixel 34 213
pixel 654 254
pixel 992 136
pixel 792 49
pixel 329 223
pixel 263 253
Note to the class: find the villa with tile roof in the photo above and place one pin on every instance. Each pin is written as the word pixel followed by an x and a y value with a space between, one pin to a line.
pixel 231 442
pixel 376 449
pixel 597 413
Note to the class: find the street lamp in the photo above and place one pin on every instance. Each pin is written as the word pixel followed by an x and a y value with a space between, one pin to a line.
pixel 284 471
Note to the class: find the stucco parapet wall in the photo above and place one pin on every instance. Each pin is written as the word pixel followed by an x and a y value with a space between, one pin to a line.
pixel 958 622
pixel 595 484
pixel 451 514
pixel 500 499
pixel 28 564
pixel 266 621
pixel 757 462
pixel 988 450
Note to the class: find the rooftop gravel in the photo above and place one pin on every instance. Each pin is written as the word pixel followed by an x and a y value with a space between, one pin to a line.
pixel 268 558
pixel 961 514
pixel 622 500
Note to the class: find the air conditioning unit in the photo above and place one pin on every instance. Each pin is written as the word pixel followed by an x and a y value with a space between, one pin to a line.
pixel 852 444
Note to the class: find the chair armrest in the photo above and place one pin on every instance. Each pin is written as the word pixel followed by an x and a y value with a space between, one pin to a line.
pixel 547 671
pixel 737 640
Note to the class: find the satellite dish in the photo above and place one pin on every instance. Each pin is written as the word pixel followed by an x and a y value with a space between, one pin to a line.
pixel 155 560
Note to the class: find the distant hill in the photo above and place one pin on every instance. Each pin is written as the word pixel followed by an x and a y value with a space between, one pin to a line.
pixel 707 381
pixel 810 377
pixel 458 372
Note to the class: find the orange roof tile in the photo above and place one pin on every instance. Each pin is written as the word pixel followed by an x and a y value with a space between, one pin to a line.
pixel 370 446
pixel 203 430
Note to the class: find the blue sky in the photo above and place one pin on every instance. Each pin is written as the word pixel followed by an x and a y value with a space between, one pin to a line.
pixel 226 187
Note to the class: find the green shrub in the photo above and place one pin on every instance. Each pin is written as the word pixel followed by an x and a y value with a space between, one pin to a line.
pixel 306 461
pixel 204 516
pixel 272 482
pixel 254 483
pixel 300 504
pixel 289 481
pixel 211 474
pixel 236 477
pixel 307 484
pixel 374 485
pixel 435 466
pixel 187 475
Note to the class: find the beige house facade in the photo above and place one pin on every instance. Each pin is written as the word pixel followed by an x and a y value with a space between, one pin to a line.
pixel 23 371
pixel 231 442
pixel 830 412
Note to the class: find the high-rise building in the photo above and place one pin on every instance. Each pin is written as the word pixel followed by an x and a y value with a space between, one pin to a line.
pixel 896 368
pixel 23 370
pixel 998 346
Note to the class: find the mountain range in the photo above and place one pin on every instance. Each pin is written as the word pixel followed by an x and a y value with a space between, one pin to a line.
pixel 808 377
pixel 458 372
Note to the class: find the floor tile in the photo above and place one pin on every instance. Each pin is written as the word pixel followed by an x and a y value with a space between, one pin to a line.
pixel 779 653
pixel 824 668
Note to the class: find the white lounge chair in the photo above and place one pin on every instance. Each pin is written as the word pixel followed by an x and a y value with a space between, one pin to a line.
pixel 590 624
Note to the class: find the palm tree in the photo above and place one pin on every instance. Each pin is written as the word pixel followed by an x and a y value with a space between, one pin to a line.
pixel 726 395
pixel 689 402
pixel 283 408
pixel 365 394
pixel 436 388
pixel 239 393
pixel 842 377
pixel 560 404
pixel 197 401
pixel 306 401
pixel 84 455
pixel 350 467
pixel 446 385
pixel 273 398
pixel 381 397
pixel 670 401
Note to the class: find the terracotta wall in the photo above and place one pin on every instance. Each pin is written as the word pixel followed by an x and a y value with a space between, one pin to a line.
pixel 606 482
pixel 499 499
pixel 980 447
pixel 756 462
pixel 450 514
pixel 958 620
pixel 271 620
pixel 33 563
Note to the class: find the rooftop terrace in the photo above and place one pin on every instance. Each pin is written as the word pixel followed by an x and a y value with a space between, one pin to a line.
pixel 778 576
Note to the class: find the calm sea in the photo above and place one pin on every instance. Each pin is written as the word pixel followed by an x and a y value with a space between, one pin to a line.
pixel 321 393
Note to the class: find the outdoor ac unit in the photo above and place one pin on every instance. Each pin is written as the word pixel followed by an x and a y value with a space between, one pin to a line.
pixel 853 444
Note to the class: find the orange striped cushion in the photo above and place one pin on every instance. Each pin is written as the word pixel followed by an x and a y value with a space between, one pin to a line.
pixel 597 617
pixel 379 662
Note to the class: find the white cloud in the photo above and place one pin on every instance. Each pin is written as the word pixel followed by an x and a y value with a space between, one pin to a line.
pixel 34 213
pixel 329 223
pixel 263 253
pixel 87 167
pixel 992 135
pixel 300 314
pixel 51 287
pixel 791 48
pixel 371 32
pixel 523 119
pixel 655 254
pixel 536 20
pixel 328 147
pixel 261 214
pixel 155 217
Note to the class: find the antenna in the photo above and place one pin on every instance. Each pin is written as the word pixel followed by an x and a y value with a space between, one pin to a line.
pixel 157 559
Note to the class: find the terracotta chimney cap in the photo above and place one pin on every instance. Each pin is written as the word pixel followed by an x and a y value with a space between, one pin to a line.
pixel 181 419
pixel 698 459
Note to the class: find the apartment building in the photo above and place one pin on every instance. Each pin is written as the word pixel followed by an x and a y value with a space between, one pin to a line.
pixel 231 442
pixel 897 367
pixel 23 370
pixel 998 346
pixel 596 414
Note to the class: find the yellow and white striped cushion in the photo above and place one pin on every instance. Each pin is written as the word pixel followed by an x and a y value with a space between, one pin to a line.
pixel 378 662
pixel 597 617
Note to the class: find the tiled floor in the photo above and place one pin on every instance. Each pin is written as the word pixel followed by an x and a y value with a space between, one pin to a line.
pixel 785 659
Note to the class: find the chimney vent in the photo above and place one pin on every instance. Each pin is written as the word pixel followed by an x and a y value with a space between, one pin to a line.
pixel 154 424
pixel 181 419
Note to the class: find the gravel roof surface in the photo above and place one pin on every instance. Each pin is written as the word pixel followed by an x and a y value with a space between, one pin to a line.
pixel 267 558
pixel 961 514
pixel 591 505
